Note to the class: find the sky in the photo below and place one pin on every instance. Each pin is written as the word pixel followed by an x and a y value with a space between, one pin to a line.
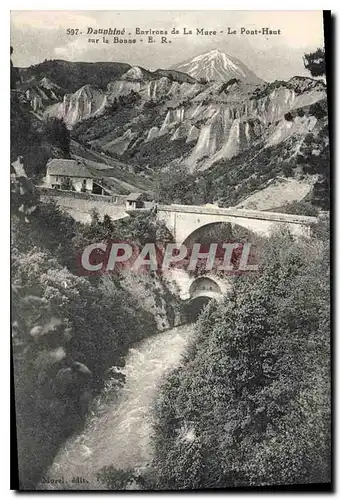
pixel 40 35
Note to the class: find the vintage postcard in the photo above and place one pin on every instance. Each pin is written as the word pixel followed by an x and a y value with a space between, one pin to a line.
pixel 170 199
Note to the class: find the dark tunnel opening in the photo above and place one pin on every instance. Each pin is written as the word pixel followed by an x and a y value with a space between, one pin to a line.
pixel 194 308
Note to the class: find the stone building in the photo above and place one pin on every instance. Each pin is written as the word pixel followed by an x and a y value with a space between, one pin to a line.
pixel 69 174
pixel 134 200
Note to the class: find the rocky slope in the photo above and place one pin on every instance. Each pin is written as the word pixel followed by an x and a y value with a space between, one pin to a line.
pixel 158 121
pixel 81 105
pixel 89 101
pixel 278 192
pixel 40 93
pixel 197 125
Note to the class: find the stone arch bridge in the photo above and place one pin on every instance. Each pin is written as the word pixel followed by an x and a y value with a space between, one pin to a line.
pixel 183 220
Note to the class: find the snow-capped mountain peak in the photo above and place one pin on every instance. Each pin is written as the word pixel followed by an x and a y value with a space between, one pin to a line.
pixel 218 66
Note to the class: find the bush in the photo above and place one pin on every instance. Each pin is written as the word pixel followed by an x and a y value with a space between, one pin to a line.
pixel 56 133
pixel 288 116
pixel 299 208
pixel 119 479
pixel 250 404
pixel 319 110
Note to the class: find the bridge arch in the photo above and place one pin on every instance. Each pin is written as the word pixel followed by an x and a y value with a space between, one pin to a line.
pixel 201 291
pixel 220 232
pixel 201 230
pixel 204 286
pixel 209 233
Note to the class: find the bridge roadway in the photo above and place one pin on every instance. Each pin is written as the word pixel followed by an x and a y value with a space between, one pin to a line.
pixel 181 220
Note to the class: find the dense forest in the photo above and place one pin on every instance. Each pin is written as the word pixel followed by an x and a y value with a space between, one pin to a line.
pixel 250 404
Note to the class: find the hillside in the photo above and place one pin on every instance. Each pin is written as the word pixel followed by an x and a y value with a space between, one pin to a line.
pixel 222 140
pixel 37 141
pixel 228 139
pixel 118 175
pixel 278 192
pixel 70 76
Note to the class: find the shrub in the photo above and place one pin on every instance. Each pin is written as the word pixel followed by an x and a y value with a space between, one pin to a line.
pixel 299 208
pixel 250 404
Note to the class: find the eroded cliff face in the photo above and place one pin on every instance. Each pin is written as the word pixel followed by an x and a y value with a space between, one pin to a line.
pixel 84 103
pixel 222 123
pixel 216 121
pixel 42 93
pixel 156 296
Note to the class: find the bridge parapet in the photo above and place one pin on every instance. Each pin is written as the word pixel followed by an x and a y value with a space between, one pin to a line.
pixel 181 220
pixel 240 212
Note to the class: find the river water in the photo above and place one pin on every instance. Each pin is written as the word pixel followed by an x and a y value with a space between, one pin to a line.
pixel 118 429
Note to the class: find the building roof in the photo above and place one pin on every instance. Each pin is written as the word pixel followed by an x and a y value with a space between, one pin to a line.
pixel 103 172
pixel 68 168
pixel 134 196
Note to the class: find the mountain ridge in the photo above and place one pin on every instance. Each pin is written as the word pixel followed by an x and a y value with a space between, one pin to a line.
pixel 71 75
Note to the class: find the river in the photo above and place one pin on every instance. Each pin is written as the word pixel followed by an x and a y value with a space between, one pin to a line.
pixel 117 431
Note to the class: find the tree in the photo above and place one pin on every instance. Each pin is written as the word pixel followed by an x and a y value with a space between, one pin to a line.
pixel 34 140
pixel 57 133
pixel 315 63
pixel 24 198
pixel 250 403
pixel 108 223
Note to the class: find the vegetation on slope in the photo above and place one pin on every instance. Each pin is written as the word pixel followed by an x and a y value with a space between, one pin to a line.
pixel 36 141
pixel 250 402
pixel 231 181
pixel 67 330
pixel 72 75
